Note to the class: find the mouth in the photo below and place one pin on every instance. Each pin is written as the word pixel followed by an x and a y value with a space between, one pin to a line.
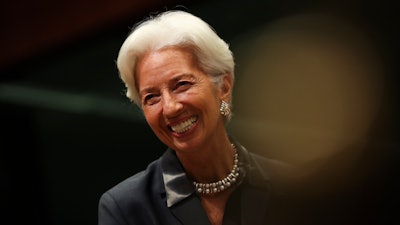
pixel 184 126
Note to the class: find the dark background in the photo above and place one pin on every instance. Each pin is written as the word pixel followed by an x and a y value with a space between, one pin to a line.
pixel 68 133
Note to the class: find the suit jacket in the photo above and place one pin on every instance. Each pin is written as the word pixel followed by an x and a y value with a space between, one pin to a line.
pixel 162 194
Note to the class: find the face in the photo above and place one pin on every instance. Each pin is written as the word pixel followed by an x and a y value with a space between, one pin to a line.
pixel 179 101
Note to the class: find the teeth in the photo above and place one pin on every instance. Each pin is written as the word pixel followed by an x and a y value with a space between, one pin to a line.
pixel 184 126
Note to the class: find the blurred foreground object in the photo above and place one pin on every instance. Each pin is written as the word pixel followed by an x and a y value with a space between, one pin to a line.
pixel 317 85
pixel 320 101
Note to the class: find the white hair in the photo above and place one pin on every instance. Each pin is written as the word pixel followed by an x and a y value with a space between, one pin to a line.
pixel 179 29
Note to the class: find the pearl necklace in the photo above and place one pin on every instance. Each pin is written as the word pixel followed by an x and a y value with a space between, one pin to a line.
pixel 218 186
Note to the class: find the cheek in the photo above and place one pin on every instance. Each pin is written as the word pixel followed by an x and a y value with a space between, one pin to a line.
pixel 210 107
pixel 151 117
pixel 154 124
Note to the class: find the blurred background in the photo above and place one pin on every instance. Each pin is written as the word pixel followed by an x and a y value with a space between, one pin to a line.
pixel 314 79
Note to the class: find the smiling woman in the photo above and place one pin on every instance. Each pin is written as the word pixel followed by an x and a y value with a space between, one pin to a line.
pixel 181 74
pixel 179 99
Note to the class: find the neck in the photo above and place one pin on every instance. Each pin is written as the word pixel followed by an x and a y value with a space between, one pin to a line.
pixel 208 162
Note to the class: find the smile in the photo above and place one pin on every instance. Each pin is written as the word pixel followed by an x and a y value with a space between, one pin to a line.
pixel 184 126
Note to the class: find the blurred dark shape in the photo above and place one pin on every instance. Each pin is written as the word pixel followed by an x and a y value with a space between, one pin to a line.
pixel 313 90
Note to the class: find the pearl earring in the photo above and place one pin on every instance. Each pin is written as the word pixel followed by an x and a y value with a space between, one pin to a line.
pixel 225 109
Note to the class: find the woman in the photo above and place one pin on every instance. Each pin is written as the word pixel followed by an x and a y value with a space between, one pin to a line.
pixel 181 74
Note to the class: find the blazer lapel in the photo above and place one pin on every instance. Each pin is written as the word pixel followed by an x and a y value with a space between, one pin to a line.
pixel 190 212
pixel 254 206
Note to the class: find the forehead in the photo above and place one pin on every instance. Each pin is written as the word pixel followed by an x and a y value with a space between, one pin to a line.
pixel 165 65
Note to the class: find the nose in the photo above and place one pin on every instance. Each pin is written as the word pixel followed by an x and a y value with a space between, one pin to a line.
pixel 171 106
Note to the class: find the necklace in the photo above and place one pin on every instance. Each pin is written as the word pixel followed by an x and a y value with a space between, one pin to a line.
pixel 218 186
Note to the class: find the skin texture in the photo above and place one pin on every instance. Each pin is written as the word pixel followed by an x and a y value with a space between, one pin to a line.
pixel 173 90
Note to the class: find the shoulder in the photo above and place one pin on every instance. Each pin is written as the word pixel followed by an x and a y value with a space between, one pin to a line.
pixel 139 185
pixel 272 167
pixel 134 200
pixel 255 162
pixel 264 172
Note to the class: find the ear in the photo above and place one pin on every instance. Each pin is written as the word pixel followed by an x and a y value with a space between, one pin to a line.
pixel 226 87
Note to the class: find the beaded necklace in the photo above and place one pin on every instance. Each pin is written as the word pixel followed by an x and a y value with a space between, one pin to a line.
pixel 221 185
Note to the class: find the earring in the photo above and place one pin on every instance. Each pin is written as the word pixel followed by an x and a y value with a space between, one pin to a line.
pixel 225 109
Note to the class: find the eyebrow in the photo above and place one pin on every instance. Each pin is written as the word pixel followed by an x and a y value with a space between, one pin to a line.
pixel 174 79
pixel 180 76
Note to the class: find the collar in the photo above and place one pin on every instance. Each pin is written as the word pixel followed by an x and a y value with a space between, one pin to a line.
pixel 178 186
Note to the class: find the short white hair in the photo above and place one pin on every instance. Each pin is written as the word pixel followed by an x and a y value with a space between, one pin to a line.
pixel 180 29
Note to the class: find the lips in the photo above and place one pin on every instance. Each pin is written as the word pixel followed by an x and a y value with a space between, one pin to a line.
pixel 184 126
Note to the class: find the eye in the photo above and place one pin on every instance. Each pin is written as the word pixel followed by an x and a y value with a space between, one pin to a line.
pixel 183 85
pixel 150 99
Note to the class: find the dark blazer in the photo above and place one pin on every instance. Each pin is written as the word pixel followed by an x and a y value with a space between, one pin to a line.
pixel 162 194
